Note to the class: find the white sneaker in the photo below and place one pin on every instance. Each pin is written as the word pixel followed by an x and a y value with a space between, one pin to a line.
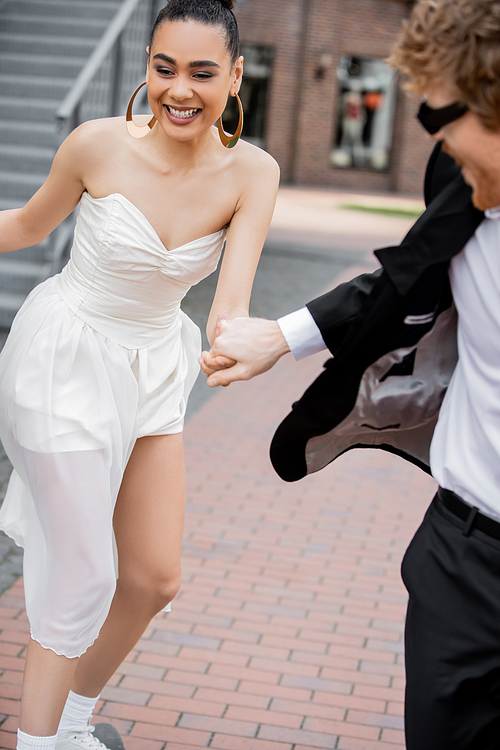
pixel 81 738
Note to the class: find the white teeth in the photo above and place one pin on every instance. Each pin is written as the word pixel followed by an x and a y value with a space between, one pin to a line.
pixel 184 114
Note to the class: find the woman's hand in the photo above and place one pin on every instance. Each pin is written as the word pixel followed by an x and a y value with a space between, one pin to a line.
pixel 252 345
pixel 210 364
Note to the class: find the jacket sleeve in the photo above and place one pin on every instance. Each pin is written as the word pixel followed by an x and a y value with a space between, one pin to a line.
pixel 334 312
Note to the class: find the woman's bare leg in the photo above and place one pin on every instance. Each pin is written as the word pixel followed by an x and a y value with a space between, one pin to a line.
pixel 149 522
pixel 149 519
pixel 47 681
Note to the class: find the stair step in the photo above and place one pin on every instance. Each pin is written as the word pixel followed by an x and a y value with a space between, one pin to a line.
pixel 49 44
pixel 26 87
pixel 9 305
pixel 81 27
pixel 46 45
pixel 8 203
pixel 20 64
pixel 36 254
pixel 86 9
pixel 22 158
pixel 30 134
pixel 20 276
pixel 31 110
pixel 18 185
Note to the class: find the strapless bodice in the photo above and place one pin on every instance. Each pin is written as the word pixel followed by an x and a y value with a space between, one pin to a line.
pixel 122 280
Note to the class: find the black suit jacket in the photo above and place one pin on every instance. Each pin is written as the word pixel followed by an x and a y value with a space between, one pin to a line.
pixel 393 337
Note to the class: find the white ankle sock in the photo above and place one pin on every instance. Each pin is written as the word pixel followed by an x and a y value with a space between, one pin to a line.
pixel 77 713
pixel 28 742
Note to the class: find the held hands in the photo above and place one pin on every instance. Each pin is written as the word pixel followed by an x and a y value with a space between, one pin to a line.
pixel 242 348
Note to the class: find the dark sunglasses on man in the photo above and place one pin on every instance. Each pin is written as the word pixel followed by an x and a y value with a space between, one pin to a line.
pixel 435 119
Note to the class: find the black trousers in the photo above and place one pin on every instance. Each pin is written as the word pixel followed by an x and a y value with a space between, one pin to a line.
pixel 452 637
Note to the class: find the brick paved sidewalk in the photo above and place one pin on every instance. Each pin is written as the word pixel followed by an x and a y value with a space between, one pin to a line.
pixel 287 632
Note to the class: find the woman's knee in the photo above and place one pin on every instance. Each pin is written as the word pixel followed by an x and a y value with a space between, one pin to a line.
pixel 155 589
pixel 163 590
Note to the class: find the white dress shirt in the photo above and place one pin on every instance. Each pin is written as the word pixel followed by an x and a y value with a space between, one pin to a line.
pixel 465 450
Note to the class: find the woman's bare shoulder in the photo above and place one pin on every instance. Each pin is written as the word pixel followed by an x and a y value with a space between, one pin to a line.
pixel 98 134
pixel 251 160
pixel 92 144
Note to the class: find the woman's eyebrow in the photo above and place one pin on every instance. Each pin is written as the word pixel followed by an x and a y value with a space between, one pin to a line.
pixel 195 64
pixel 203 64
pixel 165 58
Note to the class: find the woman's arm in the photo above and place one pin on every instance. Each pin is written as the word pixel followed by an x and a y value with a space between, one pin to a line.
pixel 51 204
pixel 245 239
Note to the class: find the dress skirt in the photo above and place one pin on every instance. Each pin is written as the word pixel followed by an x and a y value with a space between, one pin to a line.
pixel 72 404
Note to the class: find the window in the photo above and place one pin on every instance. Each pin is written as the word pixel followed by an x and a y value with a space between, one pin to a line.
pixel 363 132
pixel 253 95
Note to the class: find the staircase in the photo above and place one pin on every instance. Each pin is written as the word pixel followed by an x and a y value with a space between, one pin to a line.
pixel 43 46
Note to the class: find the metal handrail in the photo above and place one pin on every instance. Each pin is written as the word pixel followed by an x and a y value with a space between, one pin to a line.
pixel 109 52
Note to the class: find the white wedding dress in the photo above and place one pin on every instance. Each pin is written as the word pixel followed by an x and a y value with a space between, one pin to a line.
pixel 97 357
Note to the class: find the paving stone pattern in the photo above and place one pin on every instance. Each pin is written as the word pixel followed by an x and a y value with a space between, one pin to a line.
pixel 287 632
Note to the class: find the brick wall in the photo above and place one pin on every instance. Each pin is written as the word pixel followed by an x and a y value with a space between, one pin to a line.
pixel 277 24
pixel 302 108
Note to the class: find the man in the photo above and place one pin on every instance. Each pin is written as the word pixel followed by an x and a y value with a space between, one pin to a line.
pixel 393 337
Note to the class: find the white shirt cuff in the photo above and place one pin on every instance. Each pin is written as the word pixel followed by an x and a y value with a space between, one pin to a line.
pixel 301 333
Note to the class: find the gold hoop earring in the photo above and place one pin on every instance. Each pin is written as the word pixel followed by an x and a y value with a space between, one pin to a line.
pixel 230 141
pixel 137 131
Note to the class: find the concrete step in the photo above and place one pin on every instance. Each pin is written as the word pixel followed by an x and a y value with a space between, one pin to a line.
pixel 21 64
pixel 46 45
pixel 27 133
pixel 27 87
pixel 36 254
pixel 19 276
pixel 9 305
pixel 6 204
pixel 79 10
pixel 28 110
pixel 22 158
pixel 19 185
pixel 92 28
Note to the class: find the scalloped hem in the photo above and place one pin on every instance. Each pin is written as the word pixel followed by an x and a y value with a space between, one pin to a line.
pixel 61 653
pixel 17 539
pixel 168 608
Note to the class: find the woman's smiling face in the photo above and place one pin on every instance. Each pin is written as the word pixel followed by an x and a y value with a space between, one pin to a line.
pixel 189 77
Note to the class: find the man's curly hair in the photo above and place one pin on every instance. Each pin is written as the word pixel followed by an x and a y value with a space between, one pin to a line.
pixel 457 42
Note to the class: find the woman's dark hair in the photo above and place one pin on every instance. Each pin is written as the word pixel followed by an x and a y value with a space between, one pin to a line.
pixel 210 12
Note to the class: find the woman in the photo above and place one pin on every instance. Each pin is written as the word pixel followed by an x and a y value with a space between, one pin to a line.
pixel 99 360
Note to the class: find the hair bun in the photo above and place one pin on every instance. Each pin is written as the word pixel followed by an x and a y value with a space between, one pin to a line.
pixel 229 4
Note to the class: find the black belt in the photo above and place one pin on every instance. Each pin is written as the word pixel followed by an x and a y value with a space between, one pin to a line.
pixel 472 516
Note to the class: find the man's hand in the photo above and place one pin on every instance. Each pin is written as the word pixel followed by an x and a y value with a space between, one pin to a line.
pixel 243 348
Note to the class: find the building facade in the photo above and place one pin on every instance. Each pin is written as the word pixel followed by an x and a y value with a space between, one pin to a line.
pixel 320 97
